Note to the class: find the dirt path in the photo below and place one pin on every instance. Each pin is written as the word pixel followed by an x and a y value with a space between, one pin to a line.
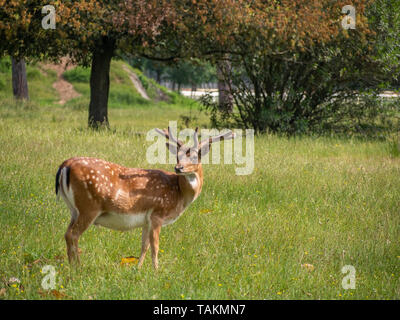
pixel 65 89
pixel 136 82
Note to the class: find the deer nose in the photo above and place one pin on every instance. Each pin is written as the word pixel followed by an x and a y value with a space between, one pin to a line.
pixel 178 168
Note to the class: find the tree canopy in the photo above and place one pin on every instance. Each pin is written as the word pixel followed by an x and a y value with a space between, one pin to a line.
pixel 305 37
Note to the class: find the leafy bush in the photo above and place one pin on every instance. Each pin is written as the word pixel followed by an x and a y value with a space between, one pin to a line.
pixel 304 91
pixel 292 78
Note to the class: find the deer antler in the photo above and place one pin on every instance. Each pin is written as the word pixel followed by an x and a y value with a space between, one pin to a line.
pixel 196 145
pixel 223 136
pixel 168 134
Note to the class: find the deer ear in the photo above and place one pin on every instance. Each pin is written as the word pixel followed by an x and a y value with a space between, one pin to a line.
pixel 173 149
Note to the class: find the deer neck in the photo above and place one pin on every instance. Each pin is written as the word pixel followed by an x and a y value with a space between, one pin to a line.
pixel 190 185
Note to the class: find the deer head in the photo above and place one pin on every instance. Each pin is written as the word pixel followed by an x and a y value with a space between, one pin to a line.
pixel 189 158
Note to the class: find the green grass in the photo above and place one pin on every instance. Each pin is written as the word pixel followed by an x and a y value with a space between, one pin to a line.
pixel 328 202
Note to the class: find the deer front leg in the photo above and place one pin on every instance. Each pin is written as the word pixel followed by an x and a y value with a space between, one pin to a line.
pixel 154 240
pixel 145 244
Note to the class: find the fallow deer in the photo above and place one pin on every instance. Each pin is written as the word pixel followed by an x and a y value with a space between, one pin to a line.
pixel 107 194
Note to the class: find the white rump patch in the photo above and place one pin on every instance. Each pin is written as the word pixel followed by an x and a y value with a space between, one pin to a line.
pixel 68 194
pixel 67 190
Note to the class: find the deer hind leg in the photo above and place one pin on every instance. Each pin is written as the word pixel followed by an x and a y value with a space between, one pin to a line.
pixel 145 243
pixel 74 231
pixel 71 250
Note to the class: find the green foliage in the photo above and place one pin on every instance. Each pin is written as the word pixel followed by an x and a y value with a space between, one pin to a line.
pixel 365 115
pixel 190 72
pixel 290 82
pixel 2 84
pixel 149 85
pixel 77 74
pixel 394 147
pixel 307 91
pixel 5 65
pixel 384 18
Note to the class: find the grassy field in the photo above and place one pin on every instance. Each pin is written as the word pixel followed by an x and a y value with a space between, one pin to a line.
pixel 311 206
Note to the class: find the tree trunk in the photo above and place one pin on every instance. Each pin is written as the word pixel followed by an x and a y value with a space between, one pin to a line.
pixel 100 83
pixel 225 99
pixel 19 81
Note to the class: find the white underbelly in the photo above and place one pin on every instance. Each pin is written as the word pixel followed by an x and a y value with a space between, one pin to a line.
pixel 122 221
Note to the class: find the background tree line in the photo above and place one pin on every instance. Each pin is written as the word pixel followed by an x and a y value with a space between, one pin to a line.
pixel 189 72
pixel 285 66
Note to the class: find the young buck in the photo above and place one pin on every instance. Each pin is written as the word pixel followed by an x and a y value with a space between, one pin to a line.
pixel 107 194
